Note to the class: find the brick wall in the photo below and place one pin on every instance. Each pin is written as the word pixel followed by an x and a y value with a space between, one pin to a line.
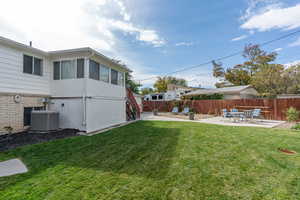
pixel 12 113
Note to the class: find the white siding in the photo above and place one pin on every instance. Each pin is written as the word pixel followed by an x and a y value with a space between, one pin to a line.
pixel 70 112
pixel 68 88
pixel 103 89
pixel 103 113
pixel 12 78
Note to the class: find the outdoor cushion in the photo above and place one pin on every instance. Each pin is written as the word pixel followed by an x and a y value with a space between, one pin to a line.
pixel 175 110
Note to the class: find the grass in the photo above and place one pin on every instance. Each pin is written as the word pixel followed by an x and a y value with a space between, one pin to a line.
pixel 160 160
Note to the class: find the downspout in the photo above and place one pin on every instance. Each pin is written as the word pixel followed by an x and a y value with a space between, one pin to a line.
pixel 84 97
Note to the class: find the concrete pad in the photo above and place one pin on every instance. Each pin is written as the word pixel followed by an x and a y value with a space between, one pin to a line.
pixel 12 167
pixel 218 121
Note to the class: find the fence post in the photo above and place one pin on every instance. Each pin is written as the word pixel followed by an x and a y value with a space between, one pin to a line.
pixel 275 109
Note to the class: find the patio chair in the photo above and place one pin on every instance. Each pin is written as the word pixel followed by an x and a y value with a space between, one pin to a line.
pixel 185 111
pixel 225 113
pixel 234 110
pixel 248 114
pixel 175 110
pixel 257 114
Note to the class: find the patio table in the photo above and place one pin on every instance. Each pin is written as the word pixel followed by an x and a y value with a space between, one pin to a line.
pixel 236 115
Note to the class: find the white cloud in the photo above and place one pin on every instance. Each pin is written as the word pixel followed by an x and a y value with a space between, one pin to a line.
pixel 296 43
pixel 292 63
pixel 278 49
pixel 184 44
pixel 195 78
pixel 242 37
pixel 273 16
pixel 56 24
pixel 259 6
pixel 145 35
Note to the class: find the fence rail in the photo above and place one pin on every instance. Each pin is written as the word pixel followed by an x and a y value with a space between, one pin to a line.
pixel 271 108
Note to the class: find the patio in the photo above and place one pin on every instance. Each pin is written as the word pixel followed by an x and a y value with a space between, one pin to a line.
pixel 214 120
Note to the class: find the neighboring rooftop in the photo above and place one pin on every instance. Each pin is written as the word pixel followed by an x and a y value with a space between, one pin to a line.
pixel 226 90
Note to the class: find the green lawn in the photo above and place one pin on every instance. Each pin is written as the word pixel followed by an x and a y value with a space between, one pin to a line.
pixel 160 160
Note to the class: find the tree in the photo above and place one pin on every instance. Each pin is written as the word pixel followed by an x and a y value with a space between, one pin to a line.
pixel 131 84
pixel 268 80
pixel 218 70
pixel 162 82
pixel 147 90
pixel 242 74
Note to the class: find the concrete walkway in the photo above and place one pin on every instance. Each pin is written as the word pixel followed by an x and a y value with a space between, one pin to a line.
pixel 12 167
pixel 216 120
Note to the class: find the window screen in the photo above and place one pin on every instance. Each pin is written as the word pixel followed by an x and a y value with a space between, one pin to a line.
pixel 121 79
pixel 114 76
pixel 68 69
pixel 104 73
pixel 80 68
pixel 27 64
pixel 56 74
pixel 38 66
pixel 94 70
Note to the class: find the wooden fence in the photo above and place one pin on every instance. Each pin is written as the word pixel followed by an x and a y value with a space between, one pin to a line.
pixel 271 108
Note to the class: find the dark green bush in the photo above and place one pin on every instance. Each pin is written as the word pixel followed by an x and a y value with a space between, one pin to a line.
pixel 205 97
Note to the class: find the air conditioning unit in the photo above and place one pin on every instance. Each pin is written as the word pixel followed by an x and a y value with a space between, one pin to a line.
pixel 44 120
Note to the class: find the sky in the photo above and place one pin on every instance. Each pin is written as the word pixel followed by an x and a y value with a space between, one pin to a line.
pixel 156 37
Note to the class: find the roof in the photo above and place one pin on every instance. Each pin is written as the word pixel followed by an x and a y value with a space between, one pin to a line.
pixel 226 90
pixel 21 46
pixel 90 50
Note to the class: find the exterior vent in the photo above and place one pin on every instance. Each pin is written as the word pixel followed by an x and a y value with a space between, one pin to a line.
pixel 44 120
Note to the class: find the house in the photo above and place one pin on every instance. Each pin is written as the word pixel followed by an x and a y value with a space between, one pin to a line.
pixel 236 92
pixel 155 97
pixel 84 86
pixel 174 92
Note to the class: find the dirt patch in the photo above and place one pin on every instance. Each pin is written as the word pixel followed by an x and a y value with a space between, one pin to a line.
pixel 11 141
pixel 286 151
pixel 186 117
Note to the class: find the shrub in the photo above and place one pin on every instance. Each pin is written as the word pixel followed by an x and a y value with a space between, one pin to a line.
pixel 296 127
pixel 205 97
pixel 292 114
pixel 9 129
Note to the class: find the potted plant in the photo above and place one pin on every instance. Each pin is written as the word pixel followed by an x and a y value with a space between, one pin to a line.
pixel 191 115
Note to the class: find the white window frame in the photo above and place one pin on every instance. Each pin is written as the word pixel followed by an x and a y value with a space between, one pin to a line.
pixel 33 57
pixel 68 59
pixel 102 65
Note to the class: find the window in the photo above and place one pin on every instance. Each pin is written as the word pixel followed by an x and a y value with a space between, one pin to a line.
pixel 38 66
pixel 80 68
pixel 121 79
pixel 154 97
pixel 56 74
pixel 27 64
pixel 68 69
pixel 27 114
pixel 32 65
pixel 114 77
pixel 160 97
pixel 104 73
pixel 94 70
